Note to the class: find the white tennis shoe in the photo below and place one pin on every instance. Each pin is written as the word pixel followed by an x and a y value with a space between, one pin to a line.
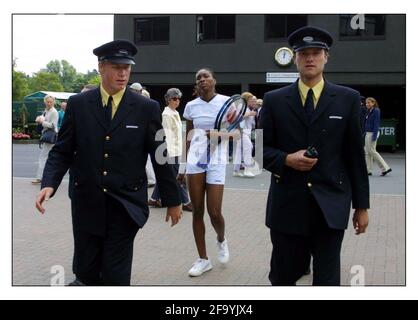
pixel 199 267
pixel 223 251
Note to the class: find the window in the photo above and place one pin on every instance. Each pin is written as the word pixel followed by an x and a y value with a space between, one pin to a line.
pixel 282 25
pixel 374 26
pixel 211 28
pixel 155 30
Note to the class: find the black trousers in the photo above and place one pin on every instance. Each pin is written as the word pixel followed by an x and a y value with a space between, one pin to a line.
pixel 106 260
pixel 290 254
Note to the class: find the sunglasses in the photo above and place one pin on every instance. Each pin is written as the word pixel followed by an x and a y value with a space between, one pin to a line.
pixel 175 99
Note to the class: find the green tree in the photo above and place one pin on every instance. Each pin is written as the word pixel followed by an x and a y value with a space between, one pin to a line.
pixel 91 74
pixel 79 82
pixel 68 76
pixel 45 81
pixel 54 66
pixel 92 77
pixel 60 75
pixel 95 80
pixel 66 73
pixel 20 85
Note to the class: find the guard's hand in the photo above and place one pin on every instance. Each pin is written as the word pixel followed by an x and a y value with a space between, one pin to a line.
pixel 181 178
pixel 299 162
pixel 43 195
pixel 360 220
pixel 174 213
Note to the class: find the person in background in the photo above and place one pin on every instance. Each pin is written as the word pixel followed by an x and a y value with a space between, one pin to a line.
pixel 61 114
pixel 258 107
pixel 371 129
pixel 363 113
pixel 149 169
pixel 88 87
pixel 244 146
pixel 48 121
pixel 137 88
pixel 146 94
pixel 173 128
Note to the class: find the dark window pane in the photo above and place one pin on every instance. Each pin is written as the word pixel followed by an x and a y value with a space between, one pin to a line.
pixel 216 27
pixel 295 21
pixel 152 29
pixel 375 25
pixel 345 26
pixel 380 25
pixel 209 27
pixel 144 29
pixel 161 29
pixel 225 27
pixel 275 26
pixel 282 25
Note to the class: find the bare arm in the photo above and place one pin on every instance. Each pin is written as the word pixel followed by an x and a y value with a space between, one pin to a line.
pixel 189 128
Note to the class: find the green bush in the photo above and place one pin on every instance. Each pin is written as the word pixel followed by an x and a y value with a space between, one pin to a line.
pixel 34 134
pixel 32 126
pixel 17 130
pixel 32 130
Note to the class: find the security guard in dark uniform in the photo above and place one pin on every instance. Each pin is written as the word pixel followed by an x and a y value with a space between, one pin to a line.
pixel 313 148
pixel 105 138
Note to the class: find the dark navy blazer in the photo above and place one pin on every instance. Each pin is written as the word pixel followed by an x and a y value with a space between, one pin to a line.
pixel 109 159
pixel 339 177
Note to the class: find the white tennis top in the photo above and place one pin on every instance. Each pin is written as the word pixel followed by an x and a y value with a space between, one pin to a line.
pixel 203 114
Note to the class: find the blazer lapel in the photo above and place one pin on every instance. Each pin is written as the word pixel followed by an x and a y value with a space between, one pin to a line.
pixel 124 108
pixel 324 102
pixel 95 105
pixel 295 103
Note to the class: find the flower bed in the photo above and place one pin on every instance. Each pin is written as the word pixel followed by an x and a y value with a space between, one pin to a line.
pixel 20 136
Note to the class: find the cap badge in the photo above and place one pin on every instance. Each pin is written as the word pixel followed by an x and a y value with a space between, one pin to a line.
pixel 121 51
pixel 308 39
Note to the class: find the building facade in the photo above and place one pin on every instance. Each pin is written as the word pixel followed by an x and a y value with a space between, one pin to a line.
pixel 368 54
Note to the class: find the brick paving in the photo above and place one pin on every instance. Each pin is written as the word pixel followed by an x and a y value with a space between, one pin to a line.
pixel 163 255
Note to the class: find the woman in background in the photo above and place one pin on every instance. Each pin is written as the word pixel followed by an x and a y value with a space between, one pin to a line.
pixel 49 121
pixel 174 138
pixel 371 128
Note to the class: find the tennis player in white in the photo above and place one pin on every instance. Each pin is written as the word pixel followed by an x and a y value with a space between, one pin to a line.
pixel 205 174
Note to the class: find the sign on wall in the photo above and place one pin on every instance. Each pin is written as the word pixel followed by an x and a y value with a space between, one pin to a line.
pixel 281 77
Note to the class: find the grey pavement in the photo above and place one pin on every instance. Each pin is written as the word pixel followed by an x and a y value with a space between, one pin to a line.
pixel 25 164
pixel 163 255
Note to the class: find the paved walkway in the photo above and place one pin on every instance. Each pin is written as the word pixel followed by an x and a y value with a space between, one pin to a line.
pixel 163 255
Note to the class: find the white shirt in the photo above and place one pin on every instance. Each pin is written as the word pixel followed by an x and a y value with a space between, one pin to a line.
pixel 173 130
pixel 203 114
pixel 248 123
pixel 51 120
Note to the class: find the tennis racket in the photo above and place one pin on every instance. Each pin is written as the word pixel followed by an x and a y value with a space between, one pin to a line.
pixel 228 118
pixel 231 114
